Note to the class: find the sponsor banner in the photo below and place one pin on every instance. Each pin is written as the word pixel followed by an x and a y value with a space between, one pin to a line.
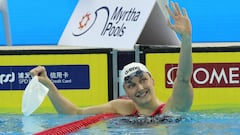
pixel 63 76
pixel 82 78
pixel 215 78
pixel 117 24
pixel 208 75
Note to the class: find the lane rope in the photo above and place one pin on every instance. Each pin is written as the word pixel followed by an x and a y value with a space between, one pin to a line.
pixel 77 125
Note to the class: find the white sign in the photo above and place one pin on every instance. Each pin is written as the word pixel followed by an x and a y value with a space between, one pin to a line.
pixel 116 24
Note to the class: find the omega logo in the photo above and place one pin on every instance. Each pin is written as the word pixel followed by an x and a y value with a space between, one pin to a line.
pixel 209 75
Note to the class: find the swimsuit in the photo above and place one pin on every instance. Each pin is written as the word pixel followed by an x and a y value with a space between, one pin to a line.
pixel 155 118
pixel 159 110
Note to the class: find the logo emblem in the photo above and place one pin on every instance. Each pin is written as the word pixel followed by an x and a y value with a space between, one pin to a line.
pixel 88 21
pixel 84 21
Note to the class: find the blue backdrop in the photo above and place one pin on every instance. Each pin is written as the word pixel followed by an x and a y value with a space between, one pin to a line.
pixel 43 21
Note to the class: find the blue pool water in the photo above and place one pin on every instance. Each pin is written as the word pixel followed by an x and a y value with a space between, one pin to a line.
pixel 195 124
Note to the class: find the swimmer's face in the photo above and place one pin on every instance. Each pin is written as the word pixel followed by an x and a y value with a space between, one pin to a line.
pixel 139 87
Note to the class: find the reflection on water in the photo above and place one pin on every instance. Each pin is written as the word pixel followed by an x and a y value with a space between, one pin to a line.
pixel 193 123
pixel 32 124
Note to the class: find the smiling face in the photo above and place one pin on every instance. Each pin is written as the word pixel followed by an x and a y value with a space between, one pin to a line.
pixel 139 87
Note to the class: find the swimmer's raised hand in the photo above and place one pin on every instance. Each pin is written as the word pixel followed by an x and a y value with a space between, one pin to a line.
pixel 41 72
pixel 182 23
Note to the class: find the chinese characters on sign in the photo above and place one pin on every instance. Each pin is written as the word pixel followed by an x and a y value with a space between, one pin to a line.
pixel 65 77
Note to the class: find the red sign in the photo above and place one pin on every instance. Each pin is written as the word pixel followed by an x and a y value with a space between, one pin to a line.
pixel 207 75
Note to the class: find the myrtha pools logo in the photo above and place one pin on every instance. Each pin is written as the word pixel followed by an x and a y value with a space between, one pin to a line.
pixel 114 24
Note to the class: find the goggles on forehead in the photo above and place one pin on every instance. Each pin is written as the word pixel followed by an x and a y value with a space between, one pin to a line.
pixel 138 73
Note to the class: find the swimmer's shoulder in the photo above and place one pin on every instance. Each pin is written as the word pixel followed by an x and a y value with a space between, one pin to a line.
pixel 123 106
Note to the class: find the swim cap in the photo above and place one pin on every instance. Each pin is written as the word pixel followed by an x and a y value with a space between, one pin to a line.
pixel 132 68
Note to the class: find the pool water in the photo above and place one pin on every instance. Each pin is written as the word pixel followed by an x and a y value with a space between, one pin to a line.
pixel 196 123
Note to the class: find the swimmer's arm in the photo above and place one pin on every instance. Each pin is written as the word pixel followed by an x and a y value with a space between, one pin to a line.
pixel 182 96
pixel 64 106
pixel 118 106
pixel 60 103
